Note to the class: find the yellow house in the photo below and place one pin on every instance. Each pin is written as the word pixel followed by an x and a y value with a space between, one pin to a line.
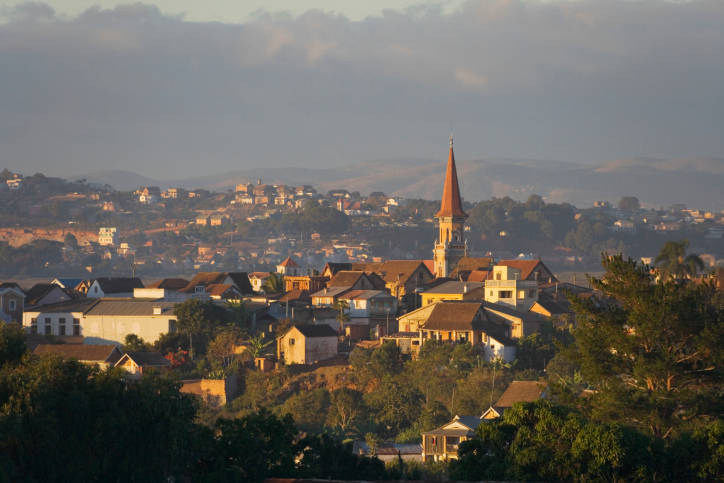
pixel 453 291
pixel 441 444
pixel 307 344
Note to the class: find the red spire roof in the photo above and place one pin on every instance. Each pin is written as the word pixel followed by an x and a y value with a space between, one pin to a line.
pixel 451 204
pixel 288 262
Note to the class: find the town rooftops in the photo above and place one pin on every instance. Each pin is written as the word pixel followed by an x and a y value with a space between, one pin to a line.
pixel 294 295
pixel 131 307
pixel 330 292
pixel 321 330
pixel 203 279
pixel 69 283
pixel 521 391
pixel 365 294
pixel 119 284
pixel 392 270
pixel 82 352
pixel 454 316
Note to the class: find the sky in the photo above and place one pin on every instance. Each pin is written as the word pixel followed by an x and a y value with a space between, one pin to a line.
pixel 181 88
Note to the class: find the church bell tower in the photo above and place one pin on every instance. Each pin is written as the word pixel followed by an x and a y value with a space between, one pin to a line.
pixel 450 246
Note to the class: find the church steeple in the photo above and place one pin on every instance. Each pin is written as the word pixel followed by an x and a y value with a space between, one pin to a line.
pixel 451 204
pixel 450 246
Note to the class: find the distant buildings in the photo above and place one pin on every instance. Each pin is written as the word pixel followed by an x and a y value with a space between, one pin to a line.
pixel 108 236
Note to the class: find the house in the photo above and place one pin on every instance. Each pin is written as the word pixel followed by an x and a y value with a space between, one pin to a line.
pixel 345 281
pixel 45 294
pixel 310 283
pixel 466 265
pixel 111 320
pixel 198 286
pixel 222 291
pixel 331 268
pixel 136 363
pixel 387 451
pixel 62 319
pixel 12 303
pixel 469 322
pixel 289 267
pixel 534 270
pixel 402 277
pixel 508 286
pixel 452 290
pixel 442 444
pixel 108 236
pixel 104 356
pixel 369 303
pixel 518 391
pixel 113 287
pixel 67 283
pixel 307 344
pixel 148 194
pixel 257 280
pixel 173 284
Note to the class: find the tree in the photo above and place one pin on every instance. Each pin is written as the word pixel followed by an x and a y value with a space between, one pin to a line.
pixel 222 348
pixel 629 203
pixel 540 441
pixel 652 350
pixel 274 284
pixel 12 343
pixel 258 347
pixel 134 343
pixel 197 320
pixel 71 241
pixel 347 409
pixel 54 410
pixel 673 261
pixel 240 314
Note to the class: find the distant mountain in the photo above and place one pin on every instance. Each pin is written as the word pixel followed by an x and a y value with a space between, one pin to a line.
pixel 656 182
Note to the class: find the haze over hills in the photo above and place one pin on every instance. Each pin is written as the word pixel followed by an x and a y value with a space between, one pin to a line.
pixel 697 182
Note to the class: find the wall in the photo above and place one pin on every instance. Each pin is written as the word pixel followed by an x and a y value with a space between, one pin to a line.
pixel 99 329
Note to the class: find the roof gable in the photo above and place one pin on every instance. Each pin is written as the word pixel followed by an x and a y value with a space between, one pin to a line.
pixel 521 391
pixel 321 330
pixel 111 285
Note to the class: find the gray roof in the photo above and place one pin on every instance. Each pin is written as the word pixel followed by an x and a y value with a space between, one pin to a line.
pixel 454 287
pixel 321 330
pixel 81 352
pixel 331 292
pixel 119 284
pixel 130 307
pixel 80 305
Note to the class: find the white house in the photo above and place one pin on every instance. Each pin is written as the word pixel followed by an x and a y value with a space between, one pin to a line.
pixel 307 344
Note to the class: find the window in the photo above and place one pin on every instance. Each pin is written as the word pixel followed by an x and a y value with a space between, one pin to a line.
pixel 491 293
pixel 48 328
pixel 485 337
pixel 33 326
pixel 76 327
pixel 11 304
pixel 498 275
pixel 291 341
pixel 521 294
pixel 61 329
pixel 531 293
pixel 505 294
pixel 199 289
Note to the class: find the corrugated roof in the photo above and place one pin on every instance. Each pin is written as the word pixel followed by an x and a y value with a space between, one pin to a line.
pixel 521 391
pixel 130 307
pixel 79 305
pixel 81 352
pixel 330 292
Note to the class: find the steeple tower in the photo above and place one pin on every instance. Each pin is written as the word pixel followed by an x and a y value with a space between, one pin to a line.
pixel 450 246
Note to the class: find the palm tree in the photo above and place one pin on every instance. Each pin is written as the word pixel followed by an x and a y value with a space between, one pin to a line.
pixel 342 307
pixel 673 261
pixel 258 346
pixel 274 284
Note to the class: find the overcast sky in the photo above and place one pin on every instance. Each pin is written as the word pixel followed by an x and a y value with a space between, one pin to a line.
pixel 143 88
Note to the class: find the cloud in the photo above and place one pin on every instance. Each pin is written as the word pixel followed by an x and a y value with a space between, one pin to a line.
pixel 584 80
